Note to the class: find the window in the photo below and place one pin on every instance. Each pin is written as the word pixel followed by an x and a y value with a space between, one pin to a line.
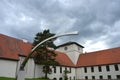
pixel 116 67
pixel 60 78
pixel 109 76
pixel 93 77
pixel 65 48
pixel 99 69
pixel 54 69
pixel 101 77
pixel 86 77
pixel 60 69
pixel 65 68
pixel 74 77
pixel 107 68
pixel 92 69
pixel 70 78
pixel 70 69
pixel 85 69
pixel 118 76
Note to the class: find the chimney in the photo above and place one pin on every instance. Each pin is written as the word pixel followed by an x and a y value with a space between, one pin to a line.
pixel 24 40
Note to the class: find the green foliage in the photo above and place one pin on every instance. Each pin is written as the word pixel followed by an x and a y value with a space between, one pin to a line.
pixel 6 78
pixel 42 36
pixel 43 55
pixel 65 74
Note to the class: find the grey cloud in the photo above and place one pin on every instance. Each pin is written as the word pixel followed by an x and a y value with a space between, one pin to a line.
pixel 95 20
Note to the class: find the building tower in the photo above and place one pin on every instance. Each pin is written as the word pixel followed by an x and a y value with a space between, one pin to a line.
pixel 72 49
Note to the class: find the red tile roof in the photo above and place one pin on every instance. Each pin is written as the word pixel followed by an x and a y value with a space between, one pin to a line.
pixel 108 56
pixel 11 48
pixel 63 59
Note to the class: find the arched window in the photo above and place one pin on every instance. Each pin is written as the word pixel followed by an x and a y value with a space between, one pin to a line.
pixel 60 78
pixel 54 78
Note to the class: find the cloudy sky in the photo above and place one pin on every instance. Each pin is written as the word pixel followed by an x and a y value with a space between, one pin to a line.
pixel 98 21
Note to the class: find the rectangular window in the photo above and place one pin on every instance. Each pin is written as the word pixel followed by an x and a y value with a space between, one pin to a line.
pixel 92 69
pixel 99 69
pixel 65 68
pixel 107 68
pixel 85 69
pixel 109 76
pixel 118 76
pixel 70 69
pixel 93 77
pixel 116 67
pixel 60 69
pixel 70 78
pixel 101 77
pixel 74 77
pixel 54 69
pixel 86 77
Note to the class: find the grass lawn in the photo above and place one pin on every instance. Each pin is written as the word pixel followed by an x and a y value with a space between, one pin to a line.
pixel 35 79
pixel 5 78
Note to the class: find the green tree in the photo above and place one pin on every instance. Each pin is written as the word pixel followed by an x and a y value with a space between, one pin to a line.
pixel 65 74
pixel 45 54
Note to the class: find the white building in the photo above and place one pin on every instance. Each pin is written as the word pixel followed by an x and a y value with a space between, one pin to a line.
pixel 104 64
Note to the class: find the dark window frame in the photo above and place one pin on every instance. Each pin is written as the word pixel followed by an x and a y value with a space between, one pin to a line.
pixel 65 68
pixel 60 69
pixel 99 68
pixel 109 77
pixel 116 67
pixel 85 69
pixel 70 69
pixel 86 77
pixel 54 69
pixel 92 69
pixel 100 77
pixel 118 76
pixel 107 68
pixel 93 77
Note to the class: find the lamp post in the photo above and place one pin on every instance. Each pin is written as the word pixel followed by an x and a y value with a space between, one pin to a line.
pixel 21 72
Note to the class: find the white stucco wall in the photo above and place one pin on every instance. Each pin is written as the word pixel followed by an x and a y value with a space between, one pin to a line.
pixel 81 74
pixel 61 75
pixel 8 68
pixel 72 47
pixel 38 71
pixel 73 51
pixel 73 55
pixel 29 68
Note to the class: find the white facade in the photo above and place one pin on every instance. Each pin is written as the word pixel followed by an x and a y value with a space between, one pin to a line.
pixel 8 68
pixel 33 70
pixel 59 74
pixel 38 71
pixel 73 51
pixel 97 74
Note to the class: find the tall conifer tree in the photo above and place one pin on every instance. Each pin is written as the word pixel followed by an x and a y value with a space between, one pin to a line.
pixel 44 55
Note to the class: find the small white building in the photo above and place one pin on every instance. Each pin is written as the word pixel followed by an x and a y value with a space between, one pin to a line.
pixel 104 64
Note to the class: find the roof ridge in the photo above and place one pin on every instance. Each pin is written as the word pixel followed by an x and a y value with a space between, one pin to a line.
pixel 68 43
pixel 13 38
pixel 102 50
